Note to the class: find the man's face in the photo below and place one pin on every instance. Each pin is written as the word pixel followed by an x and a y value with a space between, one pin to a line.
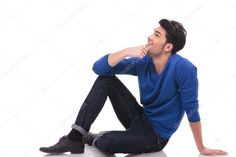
pixel 157 41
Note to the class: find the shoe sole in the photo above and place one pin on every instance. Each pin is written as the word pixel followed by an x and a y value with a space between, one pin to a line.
pixel 71 151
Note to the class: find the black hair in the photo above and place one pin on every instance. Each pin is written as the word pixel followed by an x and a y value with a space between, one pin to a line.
pixel 175 34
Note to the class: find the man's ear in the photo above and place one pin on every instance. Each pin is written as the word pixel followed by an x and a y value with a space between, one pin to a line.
pixel 168 46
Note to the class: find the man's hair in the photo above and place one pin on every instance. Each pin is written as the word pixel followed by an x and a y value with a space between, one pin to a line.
pixel 175 34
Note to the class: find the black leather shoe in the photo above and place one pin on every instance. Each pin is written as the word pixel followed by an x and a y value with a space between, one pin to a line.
pixel 90 137
pixel 64 145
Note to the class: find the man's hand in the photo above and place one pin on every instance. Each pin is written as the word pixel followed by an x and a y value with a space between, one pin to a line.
pixel 138 51
pixel 208 151
pixel 197 133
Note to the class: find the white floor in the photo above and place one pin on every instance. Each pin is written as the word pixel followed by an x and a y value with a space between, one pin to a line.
pixel 48 47
pixel 93 152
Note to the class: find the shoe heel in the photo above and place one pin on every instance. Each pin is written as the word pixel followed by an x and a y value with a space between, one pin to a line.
pixel 77 151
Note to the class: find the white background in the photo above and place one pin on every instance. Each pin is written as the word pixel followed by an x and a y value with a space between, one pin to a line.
pixel 48 47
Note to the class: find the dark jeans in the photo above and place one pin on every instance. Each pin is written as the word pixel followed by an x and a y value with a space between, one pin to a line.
pixel 139 136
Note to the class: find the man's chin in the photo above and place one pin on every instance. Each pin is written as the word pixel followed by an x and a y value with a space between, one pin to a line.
pixel 149 53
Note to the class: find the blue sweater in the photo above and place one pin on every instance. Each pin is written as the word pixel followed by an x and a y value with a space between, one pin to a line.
pixel 166 96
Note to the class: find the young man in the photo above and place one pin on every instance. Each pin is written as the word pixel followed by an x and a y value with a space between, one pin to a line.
pixel 168 88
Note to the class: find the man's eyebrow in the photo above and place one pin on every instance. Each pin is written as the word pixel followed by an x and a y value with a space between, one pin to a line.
pixel 156 31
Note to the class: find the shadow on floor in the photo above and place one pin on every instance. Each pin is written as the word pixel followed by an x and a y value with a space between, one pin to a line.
pixel 94 152
pixel 155 154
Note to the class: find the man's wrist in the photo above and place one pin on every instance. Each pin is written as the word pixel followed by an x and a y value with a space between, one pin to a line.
pixel 124 53
pixel 115 58
pixel 200 148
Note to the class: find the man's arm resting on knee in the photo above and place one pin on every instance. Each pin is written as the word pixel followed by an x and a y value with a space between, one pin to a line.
pixel 116 63
pixel 197 133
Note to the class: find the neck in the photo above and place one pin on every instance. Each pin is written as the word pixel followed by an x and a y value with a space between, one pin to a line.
pixel 160 61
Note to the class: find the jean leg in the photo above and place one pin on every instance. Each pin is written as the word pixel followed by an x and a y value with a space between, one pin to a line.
pixel 123 102
pixel 92 105
pixel 139 138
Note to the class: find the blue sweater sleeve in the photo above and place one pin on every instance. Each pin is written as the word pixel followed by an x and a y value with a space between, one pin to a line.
pixel 127 66
pixel 187 84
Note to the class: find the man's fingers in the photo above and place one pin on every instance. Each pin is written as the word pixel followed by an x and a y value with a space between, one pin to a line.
pixel 141 54
pixel 221 152
pixel 139 51
pixel 215 152
pixel 148 46
pixel 144 49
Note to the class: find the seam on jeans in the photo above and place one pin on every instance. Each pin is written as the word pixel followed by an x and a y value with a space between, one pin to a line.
pixel 127 104
pixel 124 100
pixel 80 129
pixel 150 127
pixel 130 114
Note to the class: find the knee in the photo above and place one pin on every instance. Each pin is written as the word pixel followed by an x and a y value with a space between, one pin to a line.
pixel 106 79
pixel 101 77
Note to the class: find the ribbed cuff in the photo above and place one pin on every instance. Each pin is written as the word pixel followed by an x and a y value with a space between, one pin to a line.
pixel 79 128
